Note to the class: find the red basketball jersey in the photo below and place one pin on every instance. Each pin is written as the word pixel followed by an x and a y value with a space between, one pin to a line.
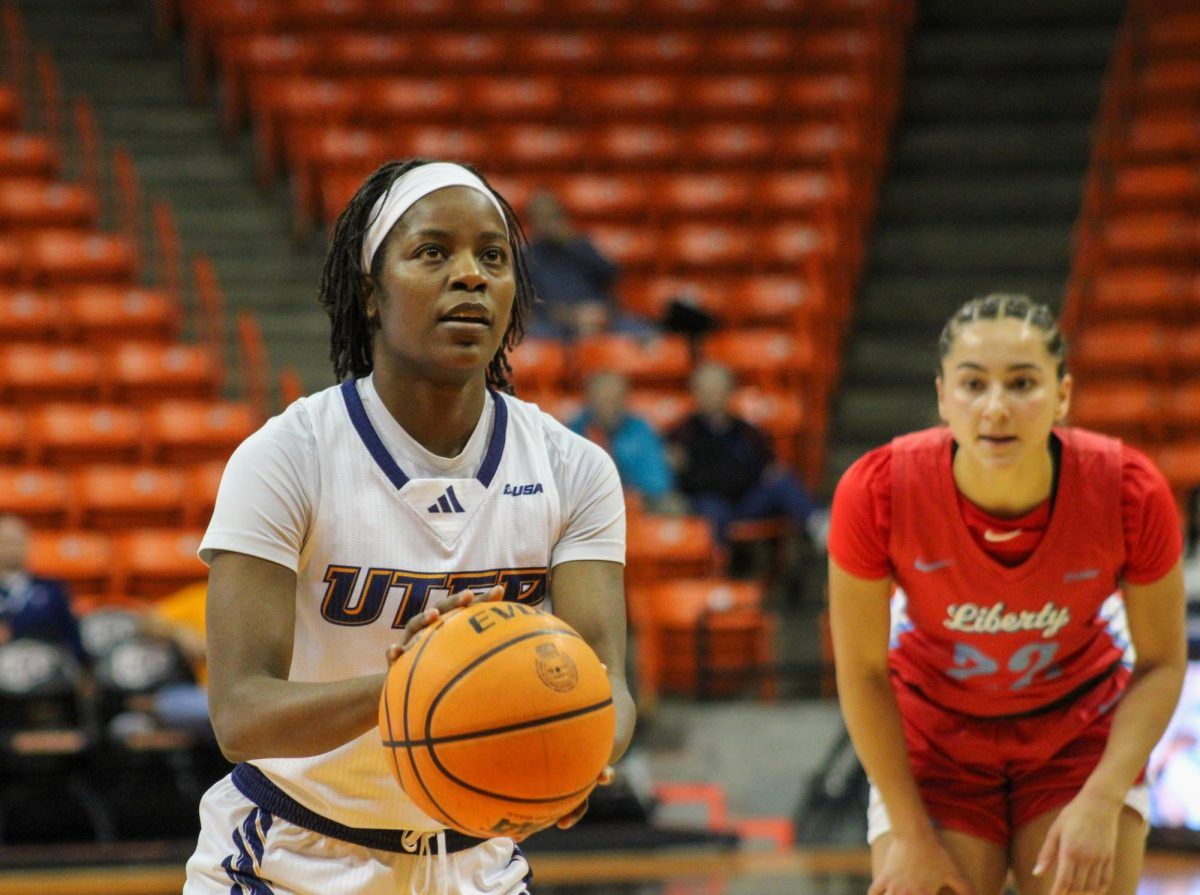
pixel 983 638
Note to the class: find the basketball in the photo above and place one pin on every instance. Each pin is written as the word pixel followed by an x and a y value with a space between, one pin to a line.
pixel 498 720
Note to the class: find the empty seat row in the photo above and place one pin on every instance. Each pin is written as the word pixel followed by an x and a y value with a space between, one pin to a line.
pixel 145 563
pixel 165 432
pixel 111 497
pixel 95 314
pixel 124 372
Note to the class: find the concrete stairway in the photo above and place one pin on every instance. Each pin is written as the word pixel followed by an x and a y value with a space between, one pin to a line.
pixel 104 49
pixel 984 187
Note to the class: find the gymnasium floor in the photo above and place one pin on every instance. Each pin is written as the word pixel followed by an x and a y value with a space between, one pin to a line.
pixel 805 872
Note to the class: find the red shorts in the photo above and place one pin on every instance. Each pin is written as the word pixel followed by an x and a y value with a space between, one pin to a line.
pixel 991 776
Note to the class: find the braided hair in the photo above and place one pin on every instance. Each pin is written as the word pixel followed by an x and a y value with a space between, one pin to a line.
pixel 342 296
pixel 1001 305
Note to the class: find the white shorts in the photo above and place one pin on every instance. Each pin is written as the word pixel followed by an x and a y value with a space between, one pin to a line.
pixel 878 823
pixel 248 850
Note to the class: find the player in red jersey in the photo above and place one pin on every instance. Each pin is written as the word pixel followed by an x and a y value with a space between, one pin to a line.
pixel 992 700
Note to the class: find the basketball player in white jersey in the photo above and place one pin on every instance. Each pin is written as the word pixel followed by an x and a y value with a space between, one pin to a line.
pixel 352 519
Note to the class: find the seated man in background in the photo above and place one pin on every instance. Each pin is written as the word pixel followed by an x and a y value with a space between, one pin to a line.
pixel 726 466
pixel 631 441
pixel 30 606
pixel 572 277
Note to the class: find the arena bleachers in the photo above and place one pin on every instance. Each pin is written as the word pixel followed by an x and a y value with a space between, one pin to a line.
pixel 1133 303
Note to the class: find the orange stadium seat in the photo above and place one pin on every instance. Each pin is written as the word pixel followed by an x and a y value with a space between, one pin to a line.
pixel 13 446
pixel 1159 136
pixel 1144 236
pixel 778 300
pixel 648 96
pixel 682 13
pixel 1109 350
pixel 599 12
pixel 11 107
pixel 243 58
pixel 783 416
pixel 657 50
pixel 729 144
pixel 84 560
pixel 369 53
pixel 114 498
pixel 73 434
pixel 595 197
pixel 193 431
pixel 706 636
pixel 710 248
pixel 634 248
pixel 28 315
pixel 650 296
pixel 712 194
pixel 816 142
pixel 785 245
pixel 419 100
pixel 827 95
pixel 41 496
pixel 12 260
pixel 807 192
pixel 277 103
pixel 1180 408
pixel 60 257
pixel 466 51
pixel 663 547
pixel 731 96
pixel 28 203
pixel 32 373
pixel 533 98
pixel 1131 410
pixel 28 155
pixel 558 51
pixel 152 371
pixel 631 146
pixel 103 314
pixel 664 361
pixel 153 562
pixel 506 13
pixel 1179 461
pixel 440 141
pixel 1154 186
pixel 661 409
pixel 534 148
pixel 539 365
pixel 774 360
pixel 767 48
pixel 203 480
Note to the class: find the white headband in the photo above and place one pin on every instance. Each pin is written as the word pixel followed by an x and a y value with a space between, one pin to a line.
pixel 408 189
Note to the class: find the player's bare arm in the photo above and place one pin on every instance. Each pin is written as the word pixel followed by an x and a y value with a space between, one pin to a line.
pixel 590 597
pixel 1081 846
pixel 256 711
pixel 913 859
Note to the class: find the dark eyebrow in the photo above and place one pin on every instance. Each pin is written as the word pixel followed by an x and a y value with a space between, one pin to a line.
pixel 434 233
pixel 1012 369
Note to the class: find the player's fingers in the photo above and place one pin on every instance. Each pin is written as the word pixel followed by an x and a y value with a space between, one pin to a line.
pixel 393 653
pixel 1105 879
pixel 1047 855
pixel 569 820
pixel 878 887
pixel 467 597
pixel 959 885
pixel 606 776
pixel 416 623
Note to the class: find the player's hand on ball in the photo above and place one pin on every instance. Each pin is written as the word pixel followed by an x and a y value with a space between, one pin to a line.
pixel 427 617
pixel 569 820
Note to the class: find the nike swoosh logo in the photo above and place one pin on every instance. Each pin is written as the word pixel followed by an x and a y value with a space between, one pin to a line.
pixel 999 537
pixel 921 566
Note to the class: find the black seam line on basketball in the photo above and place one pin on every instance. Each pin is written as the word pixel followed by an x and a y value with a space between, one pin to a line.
pixel 495 731
pixel 479 660
pixel 412 669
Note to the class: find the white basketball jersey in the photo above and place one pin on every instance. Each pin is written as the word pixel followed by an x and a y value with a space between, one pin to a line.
pixel 382 548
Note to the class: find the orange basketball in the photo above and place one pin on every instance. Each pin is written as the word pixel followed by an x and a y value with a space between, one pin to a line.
pixel 498 720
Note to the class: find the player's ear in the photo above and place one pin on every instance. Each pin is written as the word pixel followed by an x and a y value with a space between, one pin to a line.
pixel 1064 397
pixel 939 385
pixel 370 300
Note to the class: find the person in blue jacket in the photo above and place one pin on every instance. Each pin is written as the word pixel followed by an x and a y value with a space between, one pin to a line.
pixel 634 445
pixel 31 606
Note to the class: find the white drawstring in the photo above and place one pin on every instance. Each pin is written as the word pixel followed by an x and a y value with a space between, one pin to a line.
pixel 420 844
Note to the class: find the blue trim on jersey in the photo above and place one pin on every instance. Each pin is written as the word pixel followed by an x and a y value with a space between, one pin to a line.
pixel 358 416
pixel 257 787
pixel 375 446
pixel 491 460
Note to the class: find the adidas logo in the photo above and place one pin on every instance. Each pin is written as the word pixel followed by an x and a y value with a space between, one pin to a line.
pixel 447 503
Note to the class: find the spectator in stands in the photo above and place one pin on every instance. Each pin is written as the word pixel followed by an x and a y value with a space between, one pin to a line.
pixel 634 445
pixel 179 617
pixel 726 465
pixel 572 277
pixel 31 606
